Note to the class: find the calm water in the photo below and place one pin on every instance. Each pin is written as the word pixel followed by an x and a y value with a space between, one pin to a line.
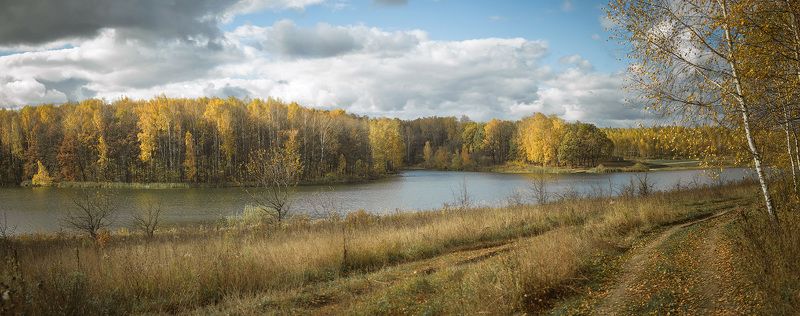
pixel 40 209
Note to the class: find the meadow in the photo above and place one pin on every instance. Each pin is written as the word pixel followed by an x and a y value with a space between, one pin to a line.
pixel 528 258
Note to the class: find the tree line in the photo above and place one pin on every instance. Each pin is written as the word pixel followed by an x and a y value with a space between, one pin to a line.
pixel 709 143
pixel 212 140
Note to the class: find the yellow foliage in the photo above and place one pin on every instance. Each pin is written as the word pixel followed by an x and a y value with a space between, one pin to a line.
pixel 540 136
pixel 387 145
pixel 42 177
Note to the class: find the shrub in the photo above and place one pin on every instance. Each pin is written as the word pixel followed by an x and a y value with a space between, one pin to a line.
pixel 42 177
pixel 638 167
pixel 600 169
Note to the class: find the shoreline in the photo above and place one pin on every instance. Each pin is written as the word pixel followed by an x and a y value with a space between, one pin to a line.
pixel 626 166
pixel 184 185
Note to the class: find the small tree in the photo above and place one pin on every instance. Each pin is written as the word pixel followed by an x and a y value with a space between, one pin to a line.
pixel 42 177
pixel 147 220
pixel 538 188
pixel 427 154
pixel 190 162
pixel 461 196
pixel 466 160
pixel 456 163
pixel 441 158
pixel 341 166
pixel 93 212
pixel 277 172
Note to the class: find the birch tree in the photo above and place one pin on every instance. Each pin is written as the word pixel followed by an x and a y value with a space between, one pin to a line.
pixel 688 62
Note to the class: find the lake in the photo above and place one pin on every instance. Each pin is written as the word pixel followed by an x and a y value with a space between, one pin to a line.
pixel 41 209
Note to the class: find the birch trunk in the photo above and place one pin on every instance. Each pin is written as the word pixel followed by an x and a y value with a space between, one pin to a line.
pixel 796 149
pixel 786 128
pixel 744 108
pixel 796 33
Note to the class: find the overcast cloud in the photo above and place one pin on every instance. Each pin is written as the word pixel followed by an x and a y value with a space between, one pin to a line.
pixel 126 51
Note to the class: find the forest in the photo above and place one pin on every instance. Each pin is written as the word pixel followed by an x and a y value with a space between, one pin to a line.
pixel 211 140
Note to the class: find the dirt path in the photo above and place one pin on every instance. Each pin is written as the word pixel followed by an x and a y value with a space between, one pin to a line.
pixel 636 265
pixel 687 269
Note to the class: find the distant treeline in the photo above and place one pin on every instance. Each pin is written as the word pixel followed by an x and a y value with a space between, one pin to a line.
pixel 210 140
pixel 708 143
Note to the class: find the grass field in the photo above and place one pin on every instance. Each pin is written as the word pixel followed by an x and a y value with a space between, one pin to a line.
pixel 458 261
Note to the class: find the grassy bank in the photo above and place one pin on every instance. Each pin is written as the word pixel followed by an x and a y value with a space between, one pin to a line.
pixel 250 267
pixel 329 180
pixel 603 167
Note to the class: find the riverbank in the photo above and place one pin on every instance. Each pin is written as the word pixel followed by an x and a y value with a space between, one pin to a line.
pixel 182 185
pixel 508 168
pixel 521 259
pixel 603 167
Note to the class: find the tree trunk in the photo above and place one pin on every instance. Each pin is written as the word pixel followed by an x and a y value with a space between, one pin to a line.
pixel 793 25
pixel 786 128
pixel 757 160
pixel 796 149
pixel 743 107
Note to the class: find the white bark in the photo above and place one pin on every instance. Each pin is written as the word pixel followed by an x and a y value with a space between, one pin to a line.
pixel 796 33
pixel 744 108
pixel 786 128
pixel 796 149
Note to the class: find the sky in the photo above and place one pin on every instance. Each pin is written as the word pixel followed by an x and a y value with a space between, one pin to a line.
pixel 397 58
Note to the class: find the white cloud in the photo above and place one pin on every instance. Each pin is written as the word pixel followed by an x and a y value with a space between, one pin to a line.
pixel 361 69
pixel 23 91
pixel 577 61
pixel 111 63
pixel 591 97
pixel 250 6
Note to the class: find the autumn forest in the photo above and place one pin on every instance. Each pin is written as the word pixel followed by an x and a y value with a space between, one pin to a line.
pixel 210 140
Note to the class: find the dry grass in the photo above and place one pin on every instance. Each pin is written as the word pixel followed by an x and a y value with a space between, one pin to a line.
pixel 182 270
pixel 770 254
pixel 550 266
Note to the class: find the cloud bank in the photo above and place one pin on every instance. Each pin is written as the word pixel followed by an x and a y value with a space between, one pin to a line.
pixel 362 69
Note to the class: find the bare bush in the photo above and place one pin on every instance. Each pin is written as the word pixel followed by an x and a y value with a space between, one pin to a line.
pixel 628 190
pixel 678 186
pixel 644 185
pixel 147 220
pixel 323 205
pixel 568 194
pixel 461 197
pixel 93 211
pixel 516 198
pixel 539 190
pixel 598 190
pixel 277 173
pixel 638 186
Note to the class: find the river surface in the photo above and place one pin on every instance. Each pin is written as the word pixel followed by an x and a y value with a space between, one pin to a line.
pixel 31 210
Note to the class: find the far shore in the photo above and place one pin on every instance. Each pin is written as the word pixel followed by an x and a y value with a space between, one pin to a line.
pixel 508 168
